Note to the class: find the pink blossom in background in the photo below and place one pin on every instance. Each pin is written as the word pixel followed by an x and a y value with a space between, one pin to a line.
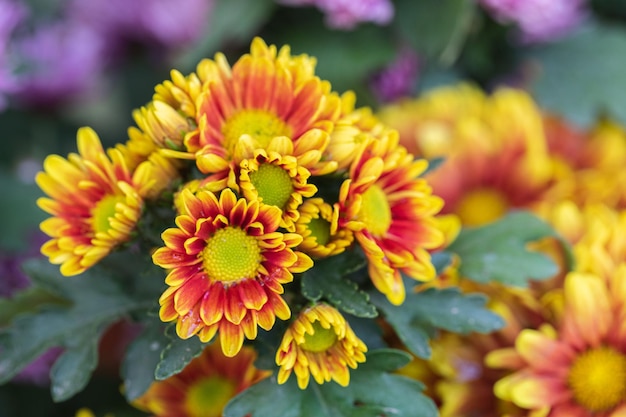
pixel 398 79
pixel 346 14
pixel 538 20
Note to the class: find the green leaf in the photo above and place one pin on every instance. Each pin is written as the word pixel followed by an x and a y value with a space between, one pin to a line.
pixel 593 60
pixel 177 354
pixel 441 260
pixel 417 319
pixel 19 215
pixel 29 299
pixel 228 24
pixel 97 300
pixel 498 251
pixel 437 29
pixel 372 392
pixel 341 56
pixel 329 280
pixel 72 370
pixel 142 358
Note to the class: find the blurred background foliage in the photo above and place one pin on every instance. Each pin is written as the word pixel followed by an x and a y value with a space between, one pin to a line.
pixel 579 74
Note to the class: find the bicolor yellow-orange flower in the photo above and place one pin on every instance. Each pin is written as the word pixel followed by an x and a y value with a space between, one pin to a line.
pixel 276 179
pixel 204 386
pixel 392 213
pixel 95 202
pixel 267 93
pixel 578 368
pixel 227 264
pixel 315 224
pixel 319 343
pixel 494 148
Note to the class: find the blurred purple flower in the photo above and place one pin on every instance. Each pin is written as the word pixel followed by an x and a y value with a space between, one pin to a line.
pixel 346 14
pixel 12 278
pixel 166 22
pixel 38 371
pixel 11 14
pixel 398 79
pixel 66 57
pixel 59 60
pixel 538 20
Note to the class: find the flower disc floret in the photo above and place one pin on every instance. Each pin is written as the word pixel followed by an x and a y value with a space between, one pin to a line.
pixel 95 202
pixel 228 263
pixel 319 343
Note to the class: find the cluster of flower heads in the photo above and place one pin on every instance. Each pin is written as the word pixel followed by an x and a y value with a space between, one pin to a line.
pixel 563 350
pixel 266 171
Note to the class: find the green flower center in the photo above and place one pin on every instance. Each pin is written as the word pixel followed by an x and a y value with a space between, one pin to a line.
pixel 598 379
pixel 481 206
pixel 320 230
pixel 273 184
pixel 263 126
pixel 103 212
pixel 230 255
pixel 208 397
pixel 375 211
pixel 321 340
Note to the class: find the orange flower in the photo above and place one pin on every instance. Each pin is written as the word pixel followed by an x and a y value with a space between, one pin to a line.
pixel 228 264
pixel 495 149
pixel 267 93
pixel 204 387
pixel 319 343
pixel 391 212
pixel 95 201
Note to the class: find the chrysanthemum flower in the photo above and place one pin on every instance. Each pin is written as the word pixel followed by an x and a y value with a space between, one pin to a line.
pixel 319 343
pixel 496 156
pixel 579 368
pixel 314 225
pixel 391 211
pixel 94 200
pixel 267 93
pixel 276 180
pixel 204 387
pixel 228 264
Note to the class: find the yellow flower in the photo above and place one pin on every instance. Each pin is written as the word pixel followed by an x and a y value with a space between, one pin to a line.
pixel 95 201
pixel 495 149
pixel 278 181
pixel 315 224
pixel 319 343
